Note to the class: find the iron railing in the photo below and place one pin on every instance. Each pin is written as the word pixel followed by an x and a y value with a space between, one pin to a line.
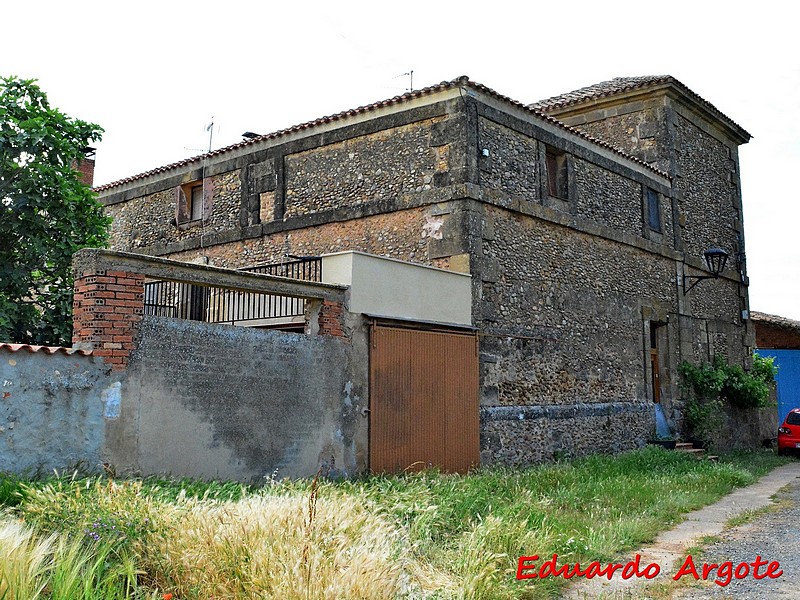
pixel 211 304
pixel 306 269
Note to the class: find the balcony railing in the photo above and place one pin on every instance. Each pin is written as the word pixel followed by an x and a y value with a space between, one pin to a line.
pixel 182 300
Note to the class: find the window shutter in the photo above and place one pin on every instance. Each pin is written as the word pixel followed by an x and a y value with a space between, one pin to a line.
pixel 181 206
pixel 208 197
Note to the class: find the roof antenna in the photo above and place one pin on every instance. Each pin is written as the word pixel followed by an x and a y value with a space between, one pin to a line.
pixel 410 75
pixel 210 130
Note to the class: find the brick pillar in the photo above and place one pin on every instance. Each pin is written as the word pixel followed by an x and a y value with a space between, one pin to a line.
pixel 107 308
pixel 331 319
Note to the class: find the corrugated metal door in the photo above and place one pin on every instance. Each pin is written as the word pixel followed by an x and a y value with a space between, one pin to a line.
pixel 423 400
pixel 788 378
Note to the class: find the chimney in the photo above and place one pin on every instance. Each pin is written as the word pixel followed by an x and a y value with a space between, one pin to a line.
pixel 85 166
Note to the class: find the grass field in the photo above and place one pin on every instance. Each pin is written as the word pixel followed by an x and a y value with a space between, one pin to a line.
pixel 423 535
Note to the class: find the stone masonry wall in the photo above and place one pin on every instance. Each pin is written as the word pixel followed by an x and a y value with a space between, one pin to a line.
pixel 640 131
pixel 404 235
pixel 566 339
pixel 513 169
pixel 368 168
pixel 608 198
pixel 707 185
pixel 150 220
pixel 512 164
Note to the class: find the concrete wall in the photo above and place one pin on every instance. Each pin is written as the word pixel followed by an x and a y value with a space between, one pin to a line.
pixel 54 409
pixel 216 401
pixel 148 395
pixel 390 288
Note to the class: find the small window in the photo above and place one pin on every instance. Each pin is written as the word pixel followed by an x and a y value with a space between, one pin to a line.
pixel 793 418
pixel 653 210
pixel 556 163
pixel 196 202
pixel 189 202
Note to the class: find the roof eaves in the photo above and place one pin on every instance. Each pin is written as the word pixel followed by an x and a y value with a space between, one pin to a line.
pixel 444 85
pixel 426 91
pixel 547 117
pixel 607 89
pixel 776 320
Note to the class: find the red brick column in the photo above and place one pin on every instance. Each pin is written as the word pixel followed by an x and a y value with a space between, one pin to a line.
pixel 107 308
pixel 331 319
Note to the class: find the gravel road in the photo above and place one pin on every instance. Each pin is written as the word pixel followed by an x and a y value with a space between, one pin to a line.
pixel 774 536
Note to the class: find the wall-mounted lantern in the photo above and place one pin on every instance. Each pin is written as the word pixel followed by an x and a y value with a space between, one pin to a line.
pixel 715 260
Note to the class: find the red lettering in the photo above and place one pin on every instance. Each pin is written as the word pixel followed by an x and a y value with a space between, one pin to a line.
pixel 737 572
pixel 688 568
pixel 758 562
pixel 707 568
pixel 523 566
pixel 592 570
pixel 631 568
pixel 651 570
pixel 725 572
pixel 550 568
pixel 771 570
pixel 609 571
pixel 576 571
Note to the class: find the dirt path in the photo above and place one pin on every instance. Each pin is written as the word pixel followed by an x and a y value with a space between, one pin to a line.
pixel 669 548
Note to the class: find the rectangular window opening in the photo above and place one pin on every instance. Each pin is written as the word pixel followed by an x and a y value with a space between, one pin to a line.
pixel 653 210
pixel 556 163
pixel 196 203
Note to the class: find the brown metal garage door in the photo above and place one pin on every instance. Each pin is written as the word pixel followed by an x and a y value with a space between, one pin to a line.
pixel 423 400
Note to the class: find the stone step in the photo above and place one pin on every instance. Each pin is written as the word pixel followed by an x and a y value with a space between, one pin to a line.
pixel 683 445
pixel 695 451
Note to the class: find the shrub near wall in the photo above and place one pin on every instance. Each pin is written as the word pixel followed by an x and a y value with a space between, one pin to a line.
pixel 722 394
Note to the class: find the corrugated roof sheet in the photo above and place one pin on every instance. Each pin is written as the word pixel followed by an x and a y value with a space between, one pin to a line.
pixel 618 85
pixel 462 81
pixel 45 349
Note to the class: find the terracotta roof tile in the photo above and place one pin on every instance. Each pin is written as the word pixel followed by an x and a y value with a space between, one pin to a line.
pixel 462 81
pixel 45 349
pixel 618 85
pixel 774 320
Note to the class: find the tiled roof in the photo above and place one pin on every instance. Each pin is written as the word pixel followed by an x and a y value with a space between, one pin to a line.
pixel 618 85
pixel 462 81
pixel 775 320
pixel 45 349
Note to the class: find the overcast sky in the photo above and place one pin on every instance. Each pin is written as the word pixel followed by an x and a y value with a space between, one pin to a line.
pixel 154 74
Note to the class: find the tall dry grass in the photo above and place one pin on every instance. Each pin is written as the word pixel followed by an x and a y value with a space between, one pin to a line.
pixel 292 547
pixel 56 567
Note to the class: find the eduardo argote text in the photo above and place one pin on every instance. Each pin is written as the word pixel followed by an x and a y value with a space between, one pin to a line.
pixel 722 574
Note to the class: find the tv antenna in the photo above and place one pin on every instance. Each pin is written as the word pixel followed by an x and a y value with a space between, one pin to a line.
pixel 410 75
pixel 210 130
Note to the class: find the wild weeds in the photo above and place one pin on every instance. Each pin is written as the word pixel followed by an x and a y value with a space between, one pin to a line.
pixel 420 535
pixel 58 568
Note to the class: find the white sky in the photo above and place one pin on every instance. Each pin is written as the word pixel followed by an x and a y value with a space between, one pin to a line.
pixel 152 74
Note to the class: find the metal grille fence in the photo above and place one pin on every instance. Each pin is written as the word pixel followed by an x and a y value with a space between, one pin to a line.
pixel 212 304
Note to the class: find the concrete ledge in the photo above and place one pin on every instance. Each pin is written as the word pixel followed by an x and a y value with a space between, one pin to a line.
pixel 568 411
pixel 92 260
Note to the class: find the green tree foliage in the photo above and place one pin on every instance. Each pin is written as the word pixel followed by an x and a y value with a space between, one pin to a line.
pixel 46 213
pixel 709 386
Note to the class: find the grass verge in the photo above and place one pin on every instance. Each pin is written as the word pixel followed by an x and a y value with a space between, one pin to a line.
pixel 424 535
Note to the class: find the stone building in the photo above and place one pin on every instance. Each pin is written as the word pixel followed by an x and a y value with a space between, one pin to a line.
pixel 579 219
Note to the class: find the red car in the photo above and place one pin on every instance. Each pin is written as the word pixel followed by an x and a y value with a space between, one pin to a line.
pixel 789 433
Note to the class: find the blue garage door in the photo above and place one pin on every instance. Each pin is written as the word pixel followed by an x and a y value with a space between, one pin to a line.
pixel 788 363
